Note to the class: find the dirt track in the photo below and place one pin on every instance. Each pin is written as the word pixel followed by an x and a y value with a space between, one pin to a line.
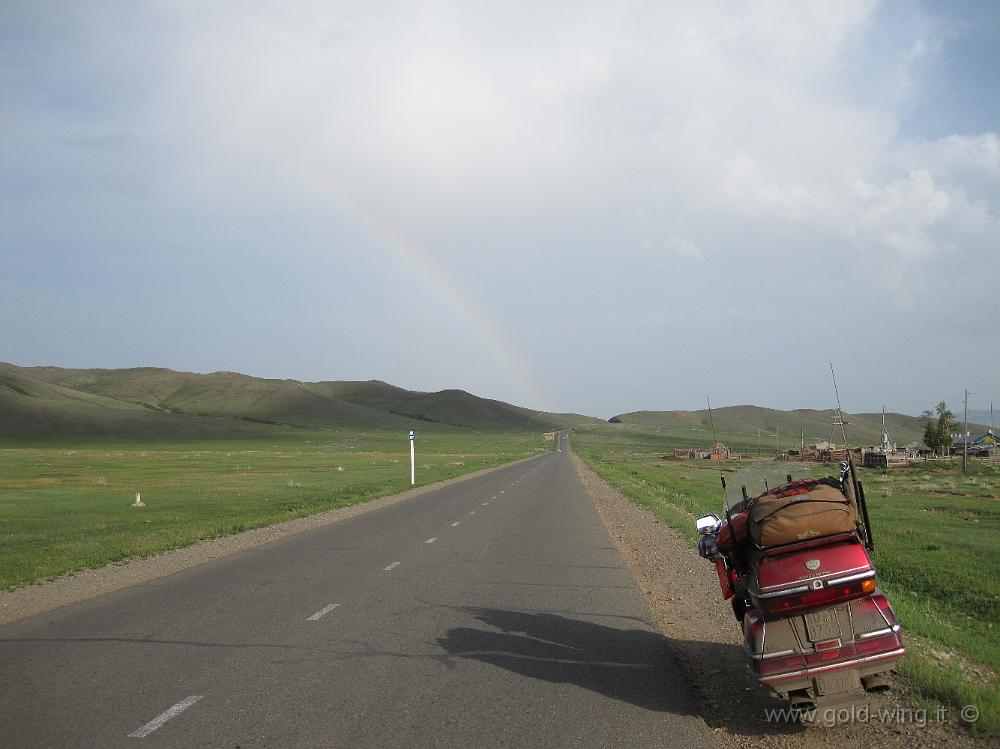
pixel 684 597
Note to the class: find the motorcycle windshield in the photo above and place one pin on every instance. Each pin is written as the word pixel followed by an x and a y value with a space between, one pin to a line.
pixel 759 477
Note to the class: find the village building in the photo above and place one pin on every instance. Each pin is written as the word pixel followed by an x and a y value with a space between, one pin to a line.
pixel 980 445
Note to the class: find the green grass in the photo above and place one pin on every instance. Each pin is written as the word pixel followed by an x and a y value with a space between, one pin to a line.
pixel 937 536
pixel 65 506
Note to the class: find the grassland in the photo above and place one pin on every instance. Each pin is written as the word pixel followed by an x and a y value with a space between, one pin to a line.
pixel 937 536
pixel 753 429
pixel 65 504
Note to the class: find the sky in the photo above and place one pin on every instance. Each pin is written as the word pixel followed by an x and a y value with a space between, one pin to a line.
pixel 572 206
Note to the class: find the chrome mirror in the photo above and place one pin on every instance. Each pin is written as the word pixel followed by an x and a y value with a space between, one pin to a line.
pixel 708 524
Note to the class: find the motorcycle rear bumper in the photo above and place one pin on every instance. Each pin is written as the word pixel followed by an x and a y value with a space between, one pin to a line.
pixel 814 652
pixel 805 678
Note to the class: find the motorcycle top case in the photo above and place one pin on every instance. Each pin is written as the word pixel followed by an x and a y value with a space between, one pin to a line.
pixel 807 576
pixel 798 512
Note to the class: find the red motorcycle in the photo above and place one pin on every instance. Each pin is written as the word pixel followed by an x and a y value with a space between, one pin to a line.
pixel 793 556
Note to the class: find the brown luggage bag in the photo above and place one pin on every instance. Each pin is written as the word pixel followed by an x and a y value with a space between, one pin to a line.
pixel 822 511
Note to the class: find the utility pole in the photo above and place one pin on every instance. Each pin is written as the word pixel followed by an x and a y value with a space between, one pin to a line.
pixel 965 437
pixel 802 440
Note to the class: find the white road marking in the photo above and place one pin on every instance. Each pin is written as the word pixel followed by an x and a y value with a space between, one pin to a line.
pixel 494 496
pixel 162 718
pixel 457 522
pixel 503 491
pixel 322 612
pixel 485 503
pixel 473 512
pixel 431 540
pixel 392 566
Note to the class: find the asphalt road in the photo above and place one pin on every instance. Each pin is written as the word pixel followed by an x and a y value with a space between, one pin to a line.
pixel 494 612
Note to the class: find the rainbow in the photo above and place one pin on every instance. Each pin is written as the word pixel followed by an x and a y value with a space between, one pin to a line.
pixel 482 325
pixel 479 323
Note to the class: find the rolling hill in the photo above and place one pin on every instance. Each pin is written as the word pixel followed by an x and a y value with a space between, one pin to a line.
pixel 156 402
pixel 31 408
pixel 52 401
pixel 741 424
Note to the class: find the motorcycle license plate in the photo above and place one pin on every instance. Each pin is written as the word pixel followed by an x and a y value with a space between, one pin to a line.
pixel 822 625
pixel 839 681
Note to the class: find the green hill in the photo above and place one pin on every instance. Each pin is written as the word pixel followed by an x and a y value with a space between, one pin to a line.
pixel 31 407
pixel 155 402
pixel 226 394
pixel 52 401
pixel 740 424
pixel 450 406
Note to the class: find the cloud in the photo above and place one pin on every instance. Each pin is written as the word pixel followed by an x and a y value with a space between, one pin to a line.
pixel 899 214
pixel 554 150
pixel 671 247
pixel 421 113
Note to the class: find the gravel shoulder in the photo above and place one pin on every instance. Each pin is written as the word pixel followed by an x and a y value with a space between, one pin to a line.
pixel 684 598
pixel 79 586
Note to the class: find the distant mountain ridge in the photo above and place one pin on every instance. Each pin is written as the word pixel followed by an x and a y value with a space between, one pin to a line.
pixel 150 401
pixel 157 402
pixel 743 422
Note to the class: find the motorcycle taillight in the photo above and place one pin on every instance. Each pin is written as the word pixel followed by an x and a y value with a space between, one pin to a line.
pixel 815 598
pixel 779 665
pixel 875 645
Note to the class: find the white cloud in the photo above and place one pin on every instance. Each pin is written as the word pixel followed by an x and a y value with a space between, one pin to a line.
pixel 958 157
pixel 671 247
pixel 898 215
pixel 578 140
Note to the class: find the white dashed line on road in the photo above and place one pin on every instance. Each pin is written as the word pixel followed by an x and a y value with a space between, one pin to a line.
pixel 392 566
pixel 159 720
pixel 473 512
pixel 485 503
pixel 457 522
pixel 322 612
pixel 431 540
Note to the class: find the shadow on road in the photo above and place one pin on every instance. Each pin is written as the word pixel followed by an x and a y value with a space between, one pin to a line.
pixel 632 665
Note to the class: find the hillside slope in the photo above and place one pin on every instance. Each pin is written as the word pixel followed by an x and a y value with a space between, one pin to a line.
pixel 147 400
pixel 226 394
pixel 33 408
pixel 743 422
pixel 450 406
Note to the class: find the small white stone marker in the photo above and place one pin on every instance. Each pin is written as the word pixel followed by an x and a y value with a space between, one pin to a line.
pixel 138 501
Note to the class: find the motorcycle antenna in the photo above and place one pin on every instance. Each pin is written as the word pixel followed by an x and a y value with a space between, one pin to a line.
pixel 859 492
pixel 722 476
pixel 715 440
pixel 840 412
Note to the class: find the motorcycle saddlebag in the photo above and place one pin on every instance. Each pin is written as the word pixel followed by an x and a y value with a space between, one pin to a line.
pixel 820 511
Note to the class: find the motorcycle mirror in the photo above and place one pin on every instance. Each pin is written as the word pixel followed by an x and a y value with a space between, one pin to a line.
pixel 708 524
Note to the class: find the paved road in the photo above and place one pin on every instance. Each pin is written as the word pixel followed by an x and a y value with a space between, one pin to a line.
pixel 494 612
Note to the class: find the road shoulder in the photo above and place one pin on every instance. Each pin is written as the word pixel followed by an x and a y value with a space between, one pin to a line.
pixel 683 595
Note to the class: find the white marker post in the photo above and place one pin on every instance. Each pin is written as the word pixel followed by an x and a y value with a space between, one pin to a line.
pixel 413 466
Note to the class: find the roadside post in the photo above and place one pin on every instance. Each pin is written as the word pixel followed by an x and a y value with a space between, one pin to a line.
pixel 413 466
